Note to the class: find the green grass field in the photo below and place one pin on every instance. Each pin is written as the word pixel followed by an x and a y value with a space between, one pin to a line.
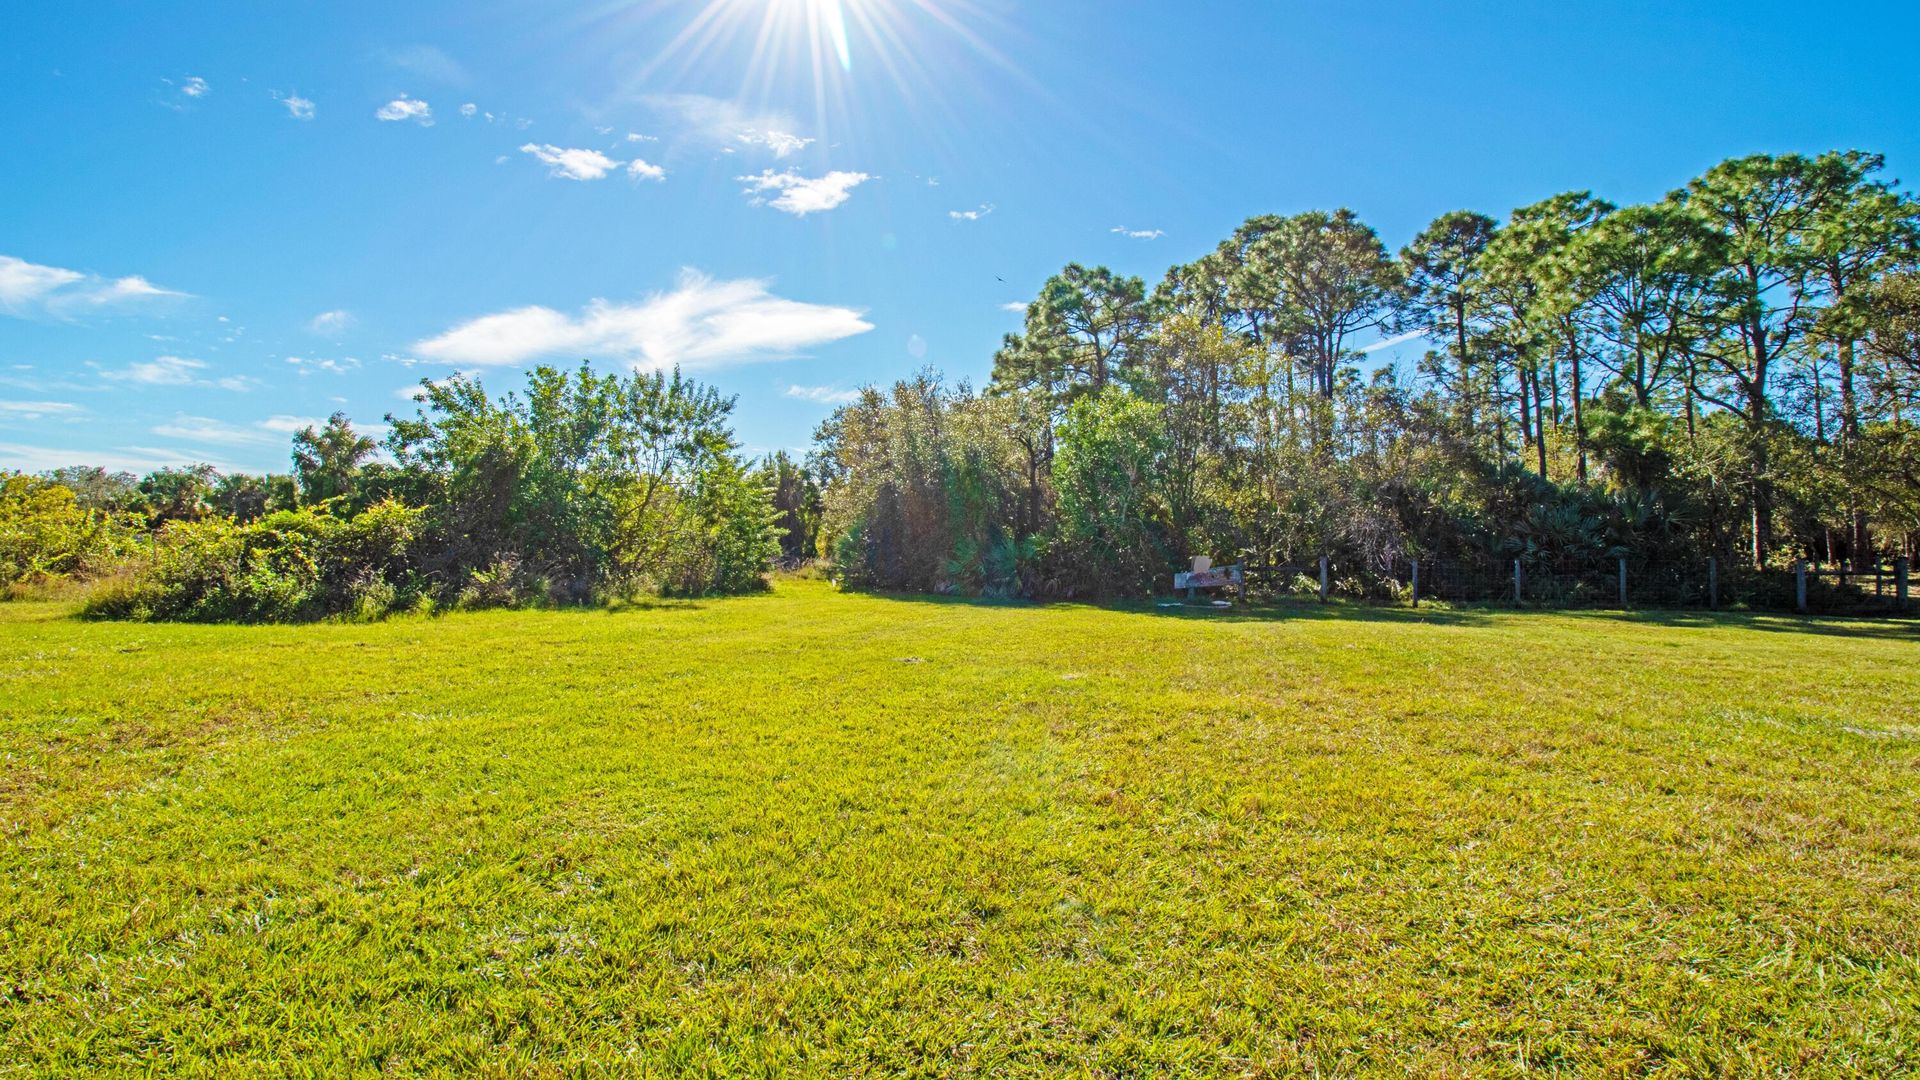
pixel 839 834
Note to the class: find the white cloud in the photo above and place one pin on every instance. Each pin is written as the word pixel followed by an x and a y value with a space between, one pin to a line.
pixel 23 283
pixel 641 170
pixel 971 215
pixel 309 365
pixel 824 395
pixel 1397 339
pixel 429 62
pixel 133 459
pixel 1137 234
pixel 800 195
pixel 700 323
pixel 331 323
pixel 160 371
pixel 1018 307
pixel 469 109
pixel 30 288
pixel 406 108
pixel 725 125
pixel 636 137
pixel 38 410
pixel 782 143
pixel 205 431
pixel 195 87
pixel 177 371
pixel 416 392
pixel 571 164
pixel 297 107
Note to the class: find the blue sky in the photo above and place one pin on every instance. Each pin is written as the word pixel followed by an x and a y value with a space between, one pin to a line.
pixel 219 220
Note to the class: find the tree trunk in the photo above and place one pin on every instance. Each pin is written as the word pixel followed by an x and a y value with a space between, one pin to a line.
pixel 1859 542
pixel 1579 420
pixel 1760 499
pixel 1539 425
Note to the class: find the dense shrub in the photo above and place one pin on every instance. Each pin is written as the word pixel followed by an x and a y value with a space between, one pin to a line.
pixel 47 534
pixel 290 565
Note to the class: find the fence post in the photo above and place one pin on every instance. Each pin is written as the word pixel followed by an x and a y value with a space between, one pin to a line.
pixel 1713 582
pixel 1517 597
pixel 1623 582
pixel 1900 583
pixel 1800 585
pixel 1323 579
pixel 1416 583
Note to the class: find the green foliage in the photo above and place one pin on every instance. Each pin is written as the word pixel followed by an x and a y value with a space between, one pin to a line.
pixel 289 566
pixel 1112 517
pixel 586 486
pixel 934 489
pixel 47 534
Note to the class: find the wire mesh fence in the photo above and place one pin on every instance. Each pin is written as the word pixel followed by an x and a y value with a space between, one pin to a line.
pixel 1621 583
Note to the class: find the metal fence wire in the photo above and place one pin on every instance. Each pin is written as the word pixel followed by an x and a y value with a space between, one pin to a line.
pixel 1883 589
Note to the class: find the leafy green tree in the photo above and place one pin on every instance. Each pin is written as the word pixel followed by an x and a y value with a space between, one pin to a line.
pixel 1108 471
pixel 1645 281
pixel 1769 211
pixel 1444 293
pixel 1082 332
pixel 796 503
pixel 178 494
pixel 1333 279
pixel 326 461
pixel 1532 313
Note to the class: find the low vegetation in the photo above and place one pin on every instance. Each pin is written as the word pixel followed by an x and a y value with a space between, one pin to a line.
pixel 826 833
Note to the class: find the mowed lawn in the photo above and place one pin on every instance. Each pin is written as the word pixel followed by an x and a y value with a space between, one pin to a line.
pixel 815 832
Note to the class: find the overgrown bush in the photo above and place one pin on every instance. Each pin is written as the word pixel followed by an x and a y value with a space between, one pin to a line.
pixel 288 566
pixel 48 535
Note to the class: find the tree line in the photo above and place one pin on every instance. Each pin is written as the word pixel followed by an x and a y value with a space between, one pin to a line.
pixel 581 488
pixel 1730 372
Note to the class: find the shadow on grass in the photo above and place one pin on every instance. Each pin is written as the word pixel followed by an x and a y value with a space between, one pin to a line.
pixel 1446 614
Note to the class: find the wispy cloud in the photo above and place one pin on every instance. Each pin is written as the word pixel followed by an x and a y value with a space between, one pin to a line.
pixel 428 62
pixel 802 195
pixel 1137 234
pixel 971 215
pixel 28 289
pixel 1018 307
pixel 39 410
pixel 823 395
pixel 205 431
pixel 181 95
pixel 1397 339
pixel 178 371
pixel 722 124
pixel 406 108
pixel 571 164
pixel 700 322
pixel 308 365
pixel 782 143
pixel 297 107
pixel 642 170
pixel 133 459
pixel 331 323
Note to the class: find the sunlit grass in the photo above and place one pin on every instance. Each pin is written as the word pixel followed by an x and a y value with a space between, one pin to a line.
pixel 827 833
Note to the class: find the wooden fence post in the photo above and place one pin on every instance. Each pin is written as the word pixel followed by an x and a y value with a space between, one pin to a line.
pixel 1900 568
pixel 1713 582
pixel 1416 583
pixel 1800 585
pixel 1623 582
pixel 1517 600
pixel 1323 579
